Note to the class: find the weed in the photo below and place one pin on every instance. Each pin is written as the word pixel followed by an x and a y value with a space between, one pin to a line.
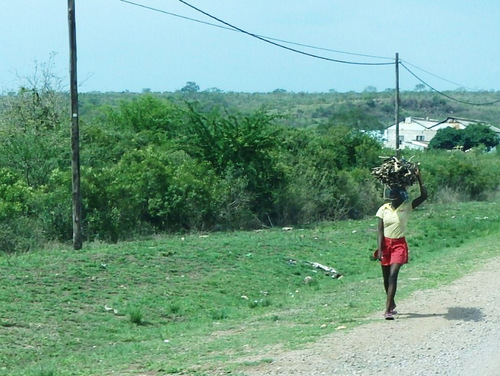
pixel 174 308
pixel 136 316
pixel 257 362
pixel 46 371
pixel 219 315
pixel 174 370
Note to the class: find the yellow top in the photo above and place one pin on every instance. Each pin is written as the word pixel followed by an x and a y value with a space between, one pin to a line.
pixel 395 220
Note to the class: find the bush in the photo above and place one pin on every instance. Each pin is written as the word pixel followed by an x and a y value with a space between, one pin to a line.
pixel 18 231
pixel 14 195
pixel 53 207
pixel 473 175
pixel 20 234
pixel 151 166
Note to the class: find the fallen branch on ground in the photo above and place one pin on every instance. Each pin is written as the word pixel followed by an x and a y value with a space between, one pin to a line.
pixel 330 271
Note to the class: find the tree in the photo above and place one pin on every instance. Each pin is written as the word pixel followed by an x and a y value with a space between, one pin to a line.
pixel 145 113
pixel 479 134
pixel 446 138
pixel 472 136
pixel 419 87
pixel 190 87
pixel 238 146
pixel 32 138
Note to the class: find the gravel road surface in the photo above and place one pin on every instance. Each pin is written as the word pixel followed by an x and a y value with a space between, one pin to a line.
pixel 453 330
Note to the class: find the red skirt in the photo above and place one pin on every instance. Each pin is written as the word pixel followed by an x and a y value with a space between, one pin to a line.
pixel 394 251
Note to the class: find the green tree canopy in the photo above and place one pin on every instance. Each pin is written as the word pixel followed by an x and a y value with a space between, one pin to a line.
pixel 191 87
pixel 472 136
pixel 480 134
pixel 446 138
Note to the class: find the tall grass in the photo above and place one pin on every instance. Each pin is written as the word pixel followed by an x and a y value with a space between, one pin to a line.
pixel 193 304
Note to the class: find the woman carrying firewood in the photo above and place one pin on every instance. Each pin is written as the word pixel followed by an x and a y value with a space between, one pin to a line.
pixel 392 248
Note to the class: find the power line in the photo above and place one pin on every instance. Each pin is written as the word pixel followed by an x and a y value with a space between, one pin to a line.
pixel 263 36
pixel 446 95
pixel 432 74
pixel 174 14
pixel 328 49
pixel 266 39
pixel 278 44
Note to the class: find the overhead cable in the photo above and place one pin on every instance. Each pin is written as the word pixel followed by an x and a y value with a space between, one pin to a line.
pixel 174 14
pixel 278 44
pixel 446 95
pixel 432 74
pixel 262 36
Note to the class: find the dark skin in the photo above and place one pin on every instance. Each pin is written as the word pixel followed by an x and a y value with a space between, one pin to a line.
pixel 391 272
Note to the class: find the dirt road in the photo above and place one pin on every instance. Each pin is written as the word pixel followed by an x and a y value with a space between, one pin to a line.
pixel 453 330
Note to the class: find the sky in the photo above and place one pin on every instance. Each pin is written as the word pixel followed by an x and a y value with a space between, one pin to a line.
pixel 447 44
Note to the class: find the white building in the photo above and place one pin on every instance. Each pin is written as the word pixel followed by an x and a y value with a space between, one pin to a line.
pixel 415 133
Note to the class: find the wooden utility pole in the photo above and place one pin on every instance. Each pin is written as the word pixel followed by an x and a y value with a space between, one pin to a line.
pixel 396 108
pixel 75 131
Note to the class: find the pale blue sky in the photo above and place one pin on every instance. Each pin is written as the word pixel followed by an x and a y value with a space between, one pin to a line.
pixel 125 47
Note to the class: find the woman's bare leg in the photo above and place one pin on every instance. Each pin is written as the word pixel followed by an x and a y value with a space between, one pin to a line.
pixel 392 285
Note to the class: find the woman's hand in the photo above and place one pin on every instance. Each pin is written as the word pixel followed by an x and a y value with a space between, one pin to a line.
pixel 423 190
pixel 418 175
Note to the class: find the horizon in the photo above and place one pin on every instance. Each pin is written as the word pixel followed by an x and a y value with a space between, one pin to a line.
pixel 318 47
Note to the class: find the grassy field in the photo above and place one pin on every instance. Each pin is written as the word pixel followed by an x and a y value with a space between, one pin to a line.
pixel 201 304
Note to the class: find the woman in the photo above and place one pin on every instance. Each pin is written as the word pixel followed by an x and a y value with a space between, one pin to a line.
pixel 392 248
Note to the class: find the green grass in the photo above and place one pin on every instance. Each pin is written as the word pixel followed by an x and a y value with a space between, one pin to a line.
pixel 199 305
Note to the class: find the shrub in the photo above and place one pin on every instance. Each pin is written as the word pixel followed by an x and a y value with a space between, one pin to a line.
pixel 20 234
pixel 136 316
pixel 471 175
pixel 52 206
pixel 14 195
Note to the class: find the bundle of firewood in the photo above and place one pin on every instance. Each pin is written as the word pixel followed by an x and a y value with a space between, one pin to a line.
pixel 396 172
